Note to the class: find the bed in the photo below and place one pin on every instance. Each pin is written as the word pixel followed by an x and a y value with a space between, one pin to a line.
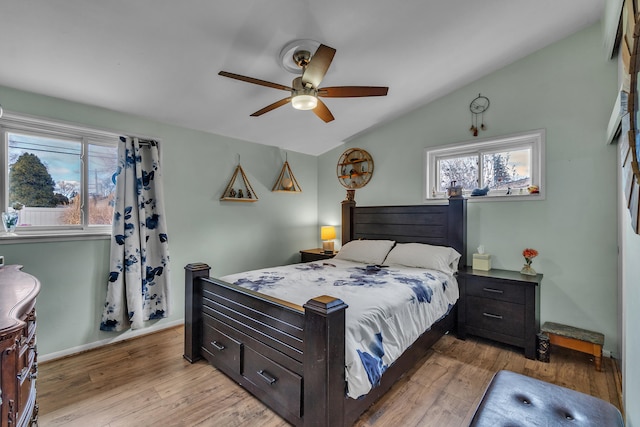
pixel 292 358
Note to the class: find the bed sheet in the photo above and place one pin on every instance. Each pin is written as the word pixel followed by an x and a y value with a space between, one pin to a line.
pixel 389 307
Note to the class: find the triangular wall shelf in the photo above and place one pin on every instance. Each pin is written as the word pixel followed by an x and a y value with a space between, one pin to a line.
pixel 286 182
pixel 241 192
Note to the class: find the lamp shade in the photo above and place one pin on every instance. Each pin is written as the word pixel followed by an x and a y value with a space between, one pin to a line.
pixel 327 232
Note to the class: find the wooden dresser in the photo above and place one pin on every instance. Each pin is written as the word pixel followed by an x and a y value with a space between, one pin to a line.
pixel 19 368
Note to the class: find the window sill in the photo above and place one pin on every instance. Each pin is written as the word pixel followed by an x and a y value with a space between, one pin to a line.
pixel 495 198
pixel 51 236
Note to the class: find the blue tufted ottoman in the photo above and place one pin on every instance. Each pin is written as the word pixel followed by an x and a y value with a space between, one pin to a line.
pixel 516 400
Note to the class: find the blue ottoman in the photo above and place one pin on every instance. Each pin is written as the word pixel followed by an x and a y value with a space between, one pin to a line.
pixel 516 400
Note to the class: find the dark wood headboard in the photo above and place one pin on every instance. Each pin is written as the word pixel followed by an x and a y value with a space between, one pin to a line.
pixel 443 225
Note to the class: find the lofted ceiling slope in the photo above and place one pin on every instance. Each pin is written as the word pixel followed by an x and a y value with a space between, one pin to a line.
pixel 160 59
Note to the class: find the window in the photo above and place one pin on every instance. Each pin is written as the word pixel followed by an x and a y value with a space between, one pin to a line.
pixel 56 176
pixel 506 166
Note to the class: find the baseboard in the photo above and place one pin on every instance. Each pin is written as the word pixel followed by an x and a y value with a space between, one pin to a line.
pixel 121 337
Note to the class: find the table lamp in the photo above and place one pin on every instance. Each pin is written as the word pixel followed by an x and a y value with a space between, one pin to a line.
pixel 327 234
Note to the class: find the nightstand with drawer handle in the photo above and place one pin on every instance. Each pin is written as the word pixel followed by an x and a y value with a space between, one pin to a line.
pixel 500 305
pixel 317 254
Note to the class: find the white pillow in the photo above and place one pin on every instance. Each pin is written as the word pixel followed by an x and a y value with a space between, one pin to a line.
pixel 421 255
pixel 365 251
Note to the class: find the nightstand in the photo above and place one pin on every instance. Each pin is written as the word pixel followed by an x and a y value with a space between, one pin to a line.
pixel 317 254
pixel 501 305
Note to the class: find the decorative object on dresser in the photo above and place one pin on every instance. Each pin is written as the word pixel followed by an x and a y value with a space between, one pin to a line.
pixel 18 355
pixel 327 234
pixel 317 254
pixel 292 357
pixel 500 305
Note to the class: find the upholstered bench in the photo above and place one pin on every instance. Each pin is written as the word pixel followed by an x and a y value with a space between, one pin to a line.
pixel 516 400
pixel 589 342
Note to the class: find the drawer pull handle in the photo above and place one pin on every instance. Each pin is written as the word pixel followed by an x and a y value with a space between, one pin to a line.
pixel 494 291
pixel 217 345
pixel 493 316
pixel 267 377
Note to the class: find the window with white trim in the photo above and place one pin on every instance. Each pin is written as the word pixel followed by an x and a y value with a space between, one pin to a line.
pixel 493 168
pixel 57 177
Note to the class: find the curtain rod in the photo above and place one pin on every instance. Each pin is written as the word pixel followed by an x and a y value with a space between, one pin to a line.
pixel 143 141
pixel 147 142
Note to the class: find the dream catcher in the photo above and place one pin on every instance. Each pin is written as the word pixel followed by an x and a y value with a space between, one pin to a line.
pixel 478 106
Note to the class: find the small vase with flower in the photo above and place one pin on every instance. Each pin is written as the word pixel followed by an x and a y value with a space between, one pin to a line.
pixel 529 254
pixel 11 218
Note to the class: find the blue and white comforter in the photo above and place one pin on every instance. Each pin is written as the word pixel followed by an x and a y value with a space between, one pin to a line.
pixel 389 307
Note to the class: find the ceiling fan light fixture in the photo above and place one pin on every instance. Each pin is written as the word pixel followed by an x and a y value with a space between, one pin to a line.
pixel 304 102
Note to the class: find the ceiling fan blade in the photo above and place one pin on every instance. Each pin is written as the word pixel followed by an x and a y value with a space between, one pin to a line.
pixel 352 91
pixel 254 81
pixel 323 112
pixel 272 106
pixel 318 66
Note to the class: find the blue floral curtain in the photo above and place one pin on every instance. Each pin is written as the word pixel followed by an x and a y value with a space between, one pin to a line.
pixel 138 285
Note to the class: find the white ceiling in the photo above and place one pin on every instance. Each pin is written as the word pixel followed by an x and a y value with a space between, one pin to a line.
pixel 159 58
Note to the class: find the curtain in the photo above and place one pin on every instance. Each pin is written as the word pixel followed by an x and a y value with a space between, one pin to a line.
pixel 138 283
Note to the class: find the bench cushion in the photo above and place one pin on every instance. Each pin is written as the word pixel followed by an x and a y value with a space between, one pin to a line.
pixel 513 399
pixel 573 332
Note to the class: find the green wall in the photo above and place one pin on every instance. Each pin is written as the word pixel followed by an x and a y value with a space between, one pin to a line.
pixel 229 236
pixel 568 89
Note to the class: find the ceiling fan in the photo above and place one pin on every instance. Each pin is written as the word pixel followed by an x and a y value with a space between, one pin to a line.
pixel 305 89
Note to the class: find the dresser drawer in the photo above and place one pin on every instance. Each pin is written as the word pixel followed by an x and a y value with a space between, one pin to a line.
pixel 222 348
pixel 281 386
pixel 495 289
pixel 27 381
pixel 495 316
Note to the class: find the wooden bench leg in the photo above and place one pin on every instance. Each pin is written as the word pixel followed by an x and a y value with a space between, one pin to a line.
pixel 597 356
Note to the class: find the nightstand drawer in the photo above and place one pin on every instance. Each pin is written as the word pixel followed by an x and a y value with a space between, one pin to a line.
pixel 495 289
pixel 495 316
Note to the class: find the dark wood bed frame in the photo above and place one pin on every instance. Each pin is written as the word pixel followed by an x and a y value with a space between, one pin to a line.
pixel 292 358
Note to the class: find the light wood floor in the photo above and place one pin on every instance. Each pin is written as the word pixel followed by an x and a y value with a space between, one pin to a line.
pixel 146 382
